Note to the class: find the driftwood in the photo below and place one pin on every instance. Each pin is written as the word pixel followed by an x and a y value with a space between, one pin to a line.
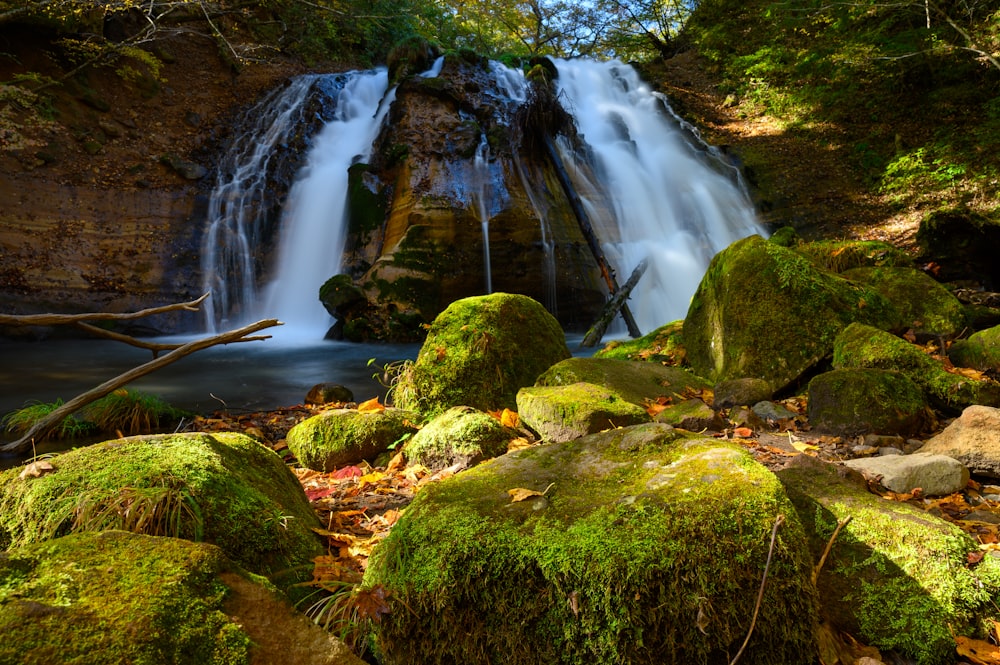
pixel 588 231
pixel 46 424
pixel 617 301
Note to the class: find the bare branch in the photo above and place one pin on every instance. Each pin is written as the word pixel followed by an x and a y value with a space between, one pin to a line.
pixel 61 319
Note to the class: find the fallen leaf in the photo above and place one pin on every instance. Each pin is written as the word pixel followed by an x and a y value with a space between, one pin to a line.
pixel 518 443
pixel 347 472
pixel 372 603
pixel 654 409
pixel 979 652
pixel 510 418
pixel 37 469
pixel 371 406
pixel 396 464
pixel 802 446
pixel 521 494
pixel 743 432
pixel 372 477
pixel 320 493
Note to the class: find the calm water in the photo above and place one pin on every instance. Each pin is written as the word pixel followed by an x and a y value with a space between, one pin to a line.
pixel 250 376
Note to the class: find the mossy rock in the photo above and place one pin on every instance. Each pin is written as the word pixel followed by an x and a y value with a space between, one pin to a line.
pixel 338 292
pixel 766 311
pixel 864 401
pixel 897 578
pixel 665 346
pixel 693 415
pixel 924 305
pixel 120 597
pixel 339 437
pixel 647 547
pixel 860 346
pixel 980 351
pixel 222 488
pixel 479 352
pixel 410 56
pixel 567 412
pixel 962 242
pixel 461 435
pixel 842 255
pixel 636 382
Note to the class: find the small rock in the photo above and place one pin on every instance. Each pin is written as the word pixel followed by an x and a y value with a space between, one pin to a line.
pixel 741 392
pixel 889 450
pixel 973 439
pixel 987 516
pixel 936 475
pixel 771 412
pixel 885 441
pixel 324 393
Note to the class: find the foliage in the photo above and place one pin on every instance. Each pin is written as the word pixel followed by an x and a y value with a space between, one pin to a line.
pixel 130 412
pixel 21 420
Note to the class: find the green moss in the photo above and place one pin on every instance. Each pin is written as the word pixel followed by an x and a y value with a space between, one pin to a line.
pixel 897 577
pixel 346 436
pixel 117 597
pixel 640 533
pixel 841 255
pixel 339 291
pixel 459 435
pixel 768 312
pixel 665 345
pixel 638 383
pixel 225 489
pixel 923 304
pixel 861 401
pixel 863 346
pixel 478 352
pixel 981 350
pixel 566 412
pixel 366 209
pixel 409 56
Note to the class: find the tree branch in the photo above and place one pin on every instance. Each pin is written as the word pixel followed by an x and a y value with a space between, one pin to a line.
pixel 61 319
pixel 46 424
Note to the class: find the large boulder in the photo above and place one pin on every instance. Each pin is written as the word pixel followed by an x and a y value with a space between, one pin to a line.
pixel 479 352
pixel 860 346
pixel 923 304
pixel 898 578
pixel 864 401
pixel 665 345
pixel 339 437
pixel 980 351
pixel 973 439
pixel 639 545
pixel 636 382
pixel 766 311
pixel 120 597
pixel 223 488
pixel 461 435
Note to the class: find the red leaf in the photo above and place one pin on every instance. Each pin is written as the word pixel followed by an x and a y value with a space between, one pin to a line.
pixel 315 494
pixel 347 472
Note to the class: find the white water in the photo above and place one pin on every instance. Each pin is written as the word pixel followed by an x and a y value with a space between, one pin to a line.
pixel 236 209
pixel 482 176
pixel 313 224
pixel 671 203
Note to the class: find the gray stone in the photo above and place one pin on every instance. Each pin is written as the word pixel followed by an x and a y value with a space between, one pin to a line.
pixel 741 392
pixel 935 475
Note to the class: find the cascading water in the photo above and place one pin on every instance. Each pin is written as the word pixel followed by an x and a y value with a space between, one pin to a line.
pixel 313 220
pixel 481 171
pixel 672 203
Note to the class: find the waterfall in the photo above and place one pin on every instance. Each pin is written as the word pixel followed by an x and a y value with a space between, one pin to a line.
pixel 239 203
pixel 675 201
pixel 482 176
pixel 313 225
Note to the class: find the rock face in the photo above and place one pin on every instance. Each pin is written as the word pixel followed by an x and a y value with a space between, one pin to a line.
pixel 973 439
pixel 446 163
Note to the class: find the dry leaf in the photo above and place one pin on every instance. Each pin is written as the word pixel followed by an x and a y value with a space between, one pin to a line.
pixel 743 432
pixel 396 464
pixel 372 603
pixel 802 447
pixel 521 494
pixel 510 418
pixel 979 652
pixel 518 443
pixel 37 469
pixel 371 406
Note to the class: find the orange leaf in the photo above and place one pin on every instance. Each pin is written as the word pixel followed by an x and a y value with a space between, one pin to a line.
pixel 521 494
pixel 743 432
pixel 510 418
pixel 977 651
pixel 371 603
pixel 371 406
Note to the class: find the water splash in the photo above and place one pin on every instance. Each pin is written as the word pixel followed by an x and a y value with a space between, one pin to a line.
pixel 671 203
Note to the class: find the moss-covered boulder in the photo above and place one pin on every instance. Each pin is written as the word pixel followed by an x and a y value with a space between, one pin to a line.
pixel 923 304
pixel 339 437
pixel 644 546
pixel 461 435
pixel 841 256
pixel 766 311
pixel 120 597
pixel 564 413
pixel 693 415
pixel 864 401
pixel 665 345
pixel 897 577
pixel 980 351
pixel 636 382
pixel 223 488
pixel 479 352
pixel 860 346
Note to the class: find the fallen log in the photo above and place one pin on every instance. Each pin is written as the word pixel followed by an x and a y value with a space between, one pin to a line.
pixel 588 232
pixel 617 301
pixel 51 420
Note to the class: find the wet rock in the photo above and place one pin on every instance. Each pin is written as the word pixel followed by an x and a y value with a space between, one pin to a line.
pixel 325 393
